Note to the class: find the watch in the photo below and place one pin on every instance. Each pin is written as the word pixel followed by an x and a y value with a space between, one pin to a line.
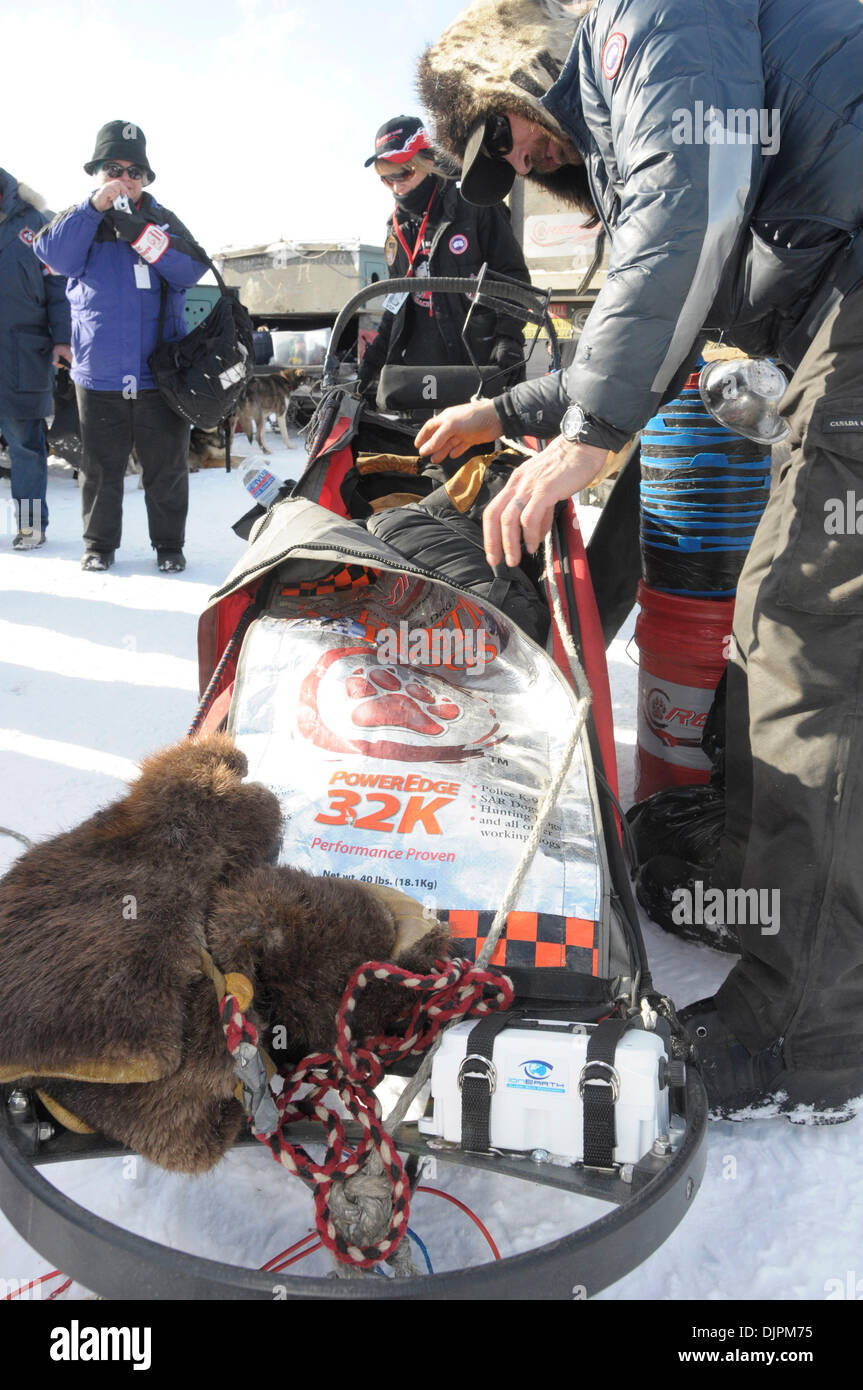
pixel 572 424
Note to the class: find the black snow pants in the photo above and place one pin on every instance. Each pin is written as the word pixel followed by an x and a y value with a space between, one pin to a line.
pixel 794 758
pixel 111 424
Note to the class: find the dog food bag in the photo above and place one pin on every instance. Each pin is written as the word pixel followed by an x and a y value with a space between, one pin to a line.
pixel 410 734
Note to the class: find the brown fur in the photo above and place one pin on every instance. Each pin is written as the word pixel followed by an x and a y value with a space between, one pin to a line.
pixel 268 395
pixel 80 983
pixel 207 450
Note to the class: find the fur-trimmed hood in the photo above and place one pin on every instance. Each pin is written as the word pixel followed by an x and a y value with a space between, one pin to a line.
pixel 29 195
pixel 502 55
pixel 14 193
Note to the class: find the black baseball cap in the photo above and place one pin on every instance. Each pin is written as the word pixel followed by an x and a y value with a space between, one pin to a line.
pixel 399 140
pixel 485 179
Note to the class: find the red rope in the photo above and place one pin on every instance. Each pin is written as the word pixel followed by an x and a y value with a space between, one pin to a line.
pixel 437 1192
pixel 53 1274
pixel 455 989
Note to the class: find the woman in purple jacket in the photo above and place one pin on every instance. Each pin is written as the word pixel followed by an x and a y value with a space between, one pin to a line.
pixel 129 261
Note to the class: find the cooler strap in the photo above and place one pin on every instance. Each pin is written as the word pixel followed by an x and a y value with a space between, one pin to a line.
pixel 477 1079
pixel 599 1088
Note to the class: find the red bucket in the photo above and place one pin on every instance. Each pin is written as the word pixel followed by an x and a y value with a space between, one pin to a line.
pixel 683 644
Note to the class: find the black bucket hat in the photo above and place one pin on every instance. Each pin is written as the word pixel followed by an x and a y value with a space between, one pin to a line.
pixel 400 140
pixel 120 140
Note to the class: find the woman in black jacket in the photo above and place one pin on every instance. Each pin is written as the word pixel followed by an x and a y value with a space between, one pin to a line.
pixel 434 232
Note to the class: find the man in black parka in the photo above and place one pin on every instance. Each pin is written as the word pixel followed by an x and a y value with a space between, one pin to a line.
pixel 720 142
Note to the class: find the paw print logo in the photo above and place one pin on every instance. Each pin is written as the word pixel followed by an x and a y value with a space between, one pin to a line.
pixel 351 704
pixel 657 706
pixel 387 701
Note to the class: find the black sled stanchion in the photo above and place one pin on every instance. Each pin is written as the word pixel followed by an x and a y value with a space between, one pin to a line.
pixel 650 1201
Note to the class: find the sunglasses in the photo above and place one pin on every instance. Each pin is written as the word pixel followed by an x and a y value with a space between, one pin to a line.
pixel 405 174
pixel 116 171
pixel 497 141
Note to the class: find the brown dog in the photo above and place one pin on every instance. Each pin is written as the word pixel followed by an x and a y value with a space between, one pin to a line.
pixel 104 1003
pixel 269 395
pixel 207 449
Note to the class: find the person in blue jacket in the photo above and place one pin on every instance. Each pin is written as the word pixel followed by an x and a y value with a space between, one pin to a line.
pixel 34 337
pixel 129 262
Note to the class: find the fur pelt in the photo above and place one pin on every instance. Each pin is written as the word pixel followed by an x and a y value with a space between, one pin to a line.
pixel 99 926
pixel 502 56
pixel 90 991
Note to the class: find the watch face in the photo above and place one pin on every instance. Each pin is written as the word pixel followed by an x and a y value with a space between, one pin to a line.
pixel 572 423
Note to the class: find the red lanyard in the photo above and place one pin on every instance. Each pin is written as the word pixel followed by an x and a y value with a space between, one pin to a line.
pixel 420 235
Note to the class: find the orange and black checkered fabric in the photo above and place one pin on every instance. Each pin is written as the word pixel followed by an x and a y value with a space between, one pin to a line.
pixel 536 939
pixel 345 577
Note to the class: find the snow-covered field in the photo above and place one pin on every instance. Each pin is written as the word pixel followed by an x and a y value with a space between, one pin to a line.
pixel 99 670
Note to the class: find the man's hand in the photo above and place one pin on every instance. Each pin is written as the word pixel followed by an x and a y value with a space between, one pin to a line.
pixel 62 355
pixel 526 505
pixel 104 197
pixel 460 427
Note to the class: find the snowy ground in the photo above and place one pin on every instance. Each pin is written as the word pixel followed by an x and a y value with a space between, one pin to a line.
pixel 99 670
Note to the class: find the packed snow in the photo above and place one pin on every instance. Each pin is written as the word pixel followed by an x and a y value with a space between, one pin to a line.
pixel 98 671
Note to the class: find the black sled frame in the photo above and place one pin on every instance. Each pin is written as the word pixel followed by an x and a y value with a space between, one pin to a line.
pixel 649 1198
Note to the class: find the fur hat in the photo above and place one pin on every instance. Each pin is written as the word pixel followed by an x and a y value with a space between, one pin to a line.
pixel 502 56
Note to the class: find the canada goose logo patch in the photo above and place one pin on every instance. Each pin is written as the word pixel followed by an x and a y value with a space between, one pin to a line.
pixel 612 55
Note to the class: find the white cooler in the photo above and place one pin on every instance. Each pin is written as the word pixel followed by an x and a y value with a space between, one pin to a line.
pixel 535 1103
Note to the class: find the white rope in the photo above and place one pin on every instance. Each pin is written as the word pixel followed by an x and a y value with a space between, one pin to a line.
pixel 363 1205
pixel 511 896
pixel 16 835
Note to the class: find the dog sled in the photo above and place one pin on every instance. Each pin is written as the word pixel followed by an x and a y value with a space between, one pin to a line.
pixel 445 735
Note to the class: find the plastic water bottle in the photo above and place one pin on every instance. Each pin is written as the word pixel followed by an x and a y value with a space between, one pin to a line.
pixel 261 484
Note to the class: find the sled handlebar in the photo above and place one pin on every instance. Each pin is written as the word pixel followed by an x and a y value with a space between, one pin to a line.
pixel 500 293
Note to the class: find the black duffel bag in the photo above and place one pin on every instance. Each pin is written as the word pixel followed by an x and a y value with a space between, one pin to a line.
pixel 443 533
pixel 203 376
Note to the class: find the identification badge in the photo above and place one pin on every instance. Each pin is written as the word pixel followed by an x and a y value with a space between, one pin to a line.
pixel 394 302
pixel 152 243
pixel 142 276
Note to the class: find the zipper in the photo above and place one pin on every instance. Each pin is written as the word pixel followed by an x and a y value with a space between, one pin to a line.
pixel 597 202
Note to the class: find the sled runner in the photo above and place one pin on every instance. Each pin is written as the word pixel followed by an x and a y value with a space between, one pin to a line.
pixel 442 732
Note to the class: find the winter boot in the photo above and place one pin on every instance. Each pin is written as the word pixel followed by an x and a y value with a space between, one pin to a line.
pixel 170 561
pixel 744 1085
pixel 97 559
pixel 29 540
pixel 681 899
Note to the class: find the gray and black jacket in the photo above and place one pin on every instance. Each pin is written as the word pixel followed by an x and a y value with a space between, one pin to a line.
pixel 708 235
